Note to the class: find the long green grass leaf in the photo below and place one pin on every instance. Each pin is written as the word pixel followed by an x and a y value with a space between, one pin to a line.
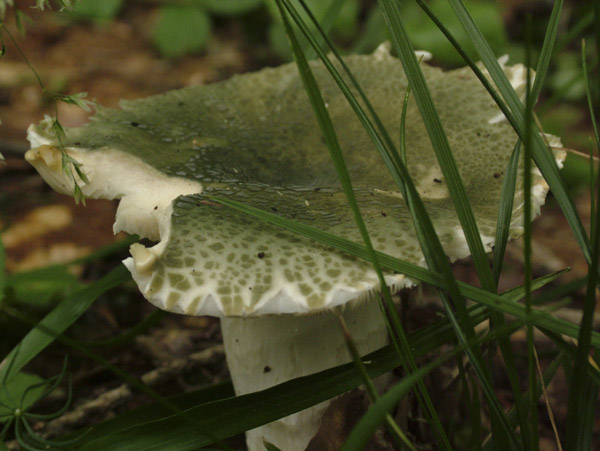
pixel 548 375
pixel 446 161
pixel 440 143
pixel 330 136
pixel 335 152
pixel 423 341
pixel 505 208
pixel 497 319
pixel 542 156
pixel 393 428
pixel 59 319
pixel 365 428
pixel 157 411
pixel 507 196
pixel 370 421
pixel 231 416
pixel 2 273
pixel 125 376
pixel 547 49
pixel 501 303
pixel 427 236
pixel 533 442
pixel 581 412
pixel 404 183
pixel 327 22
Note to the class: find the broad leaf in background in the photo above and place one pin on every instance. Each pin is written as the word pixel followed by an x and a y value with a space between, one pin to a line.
pixel 11 393
pixel 99 11
pixel 181 30
pixel 340 17
pixel 425 35
pixel 58 320
pixel 231 7
pixel 42 286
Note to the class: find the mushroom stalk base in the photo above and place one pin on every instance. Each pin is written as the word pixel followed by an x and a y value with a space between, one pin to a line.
pixel 266 351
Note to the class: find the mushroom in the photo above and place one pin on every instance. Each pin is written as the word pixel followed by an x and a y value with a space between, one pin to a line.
pixel 254 139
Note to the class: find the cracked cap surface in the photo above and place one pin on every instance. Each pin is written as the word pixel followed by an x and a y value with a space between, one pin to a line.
pixel 254 139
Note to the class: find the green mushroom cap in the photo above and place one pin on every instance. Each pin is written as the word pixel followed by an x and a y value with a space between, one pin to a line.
pixel 254 139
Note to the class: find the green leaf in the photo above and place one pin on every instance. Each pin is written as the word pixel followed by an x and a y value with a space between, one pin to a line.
pixel 41 286
pixel 231 416
pixel 345 22
pixel 78 99
pixel 338 17
pixel 156 410
pixel 544 159
pixel 330 136
pixel 547 50
pixel 501 303
pixel 435 257
pixel 2 271
pixel 139 429
pixel 11 393
pixel 59 319
pixel 99 11
pixel 513 416
pixel 375 32
pixel 181 30
pixel 583 392
pixel 366 426
pixel 505 211
pixel 231 7
pixel 425 35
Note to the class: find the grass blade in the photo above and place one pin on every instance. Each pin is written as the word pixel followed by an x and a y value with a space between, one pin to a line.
pixel 377 412
pixel 327 22
pixel 548 375
pixel 505 303
pixel 157 411
pixel 533 442
pixel 231 416
pixel 547 48
pixel 335 152
pixel 366 427
pixel 497 319
pixel 504 216
pixel 446 161
pixel 425 231
pixel 440 144
pixel 505 209
pixel 59 319
pixel 581 412
pixel 515 115
pixel 392 427
pixel 2 272
pixel 404 349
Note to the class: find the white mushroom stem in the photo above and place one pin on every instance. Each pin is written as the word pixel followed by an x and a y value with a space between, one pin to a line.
pixel 266 351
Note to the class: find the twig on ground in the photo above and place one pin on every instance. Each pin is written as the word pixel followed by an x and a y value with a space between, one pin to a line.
pixel 117 396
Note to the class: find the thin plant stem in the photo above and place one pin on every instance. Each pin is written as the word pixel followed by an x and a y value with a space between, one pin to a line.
pixel 527 237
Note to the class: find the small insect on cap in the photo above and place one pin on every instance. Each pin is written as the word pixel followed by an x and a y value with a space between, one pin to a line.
pixel 254 139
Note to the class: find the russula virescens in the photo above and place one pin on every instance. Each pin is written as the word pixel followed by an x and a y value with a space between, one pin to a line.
pixel 254 139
